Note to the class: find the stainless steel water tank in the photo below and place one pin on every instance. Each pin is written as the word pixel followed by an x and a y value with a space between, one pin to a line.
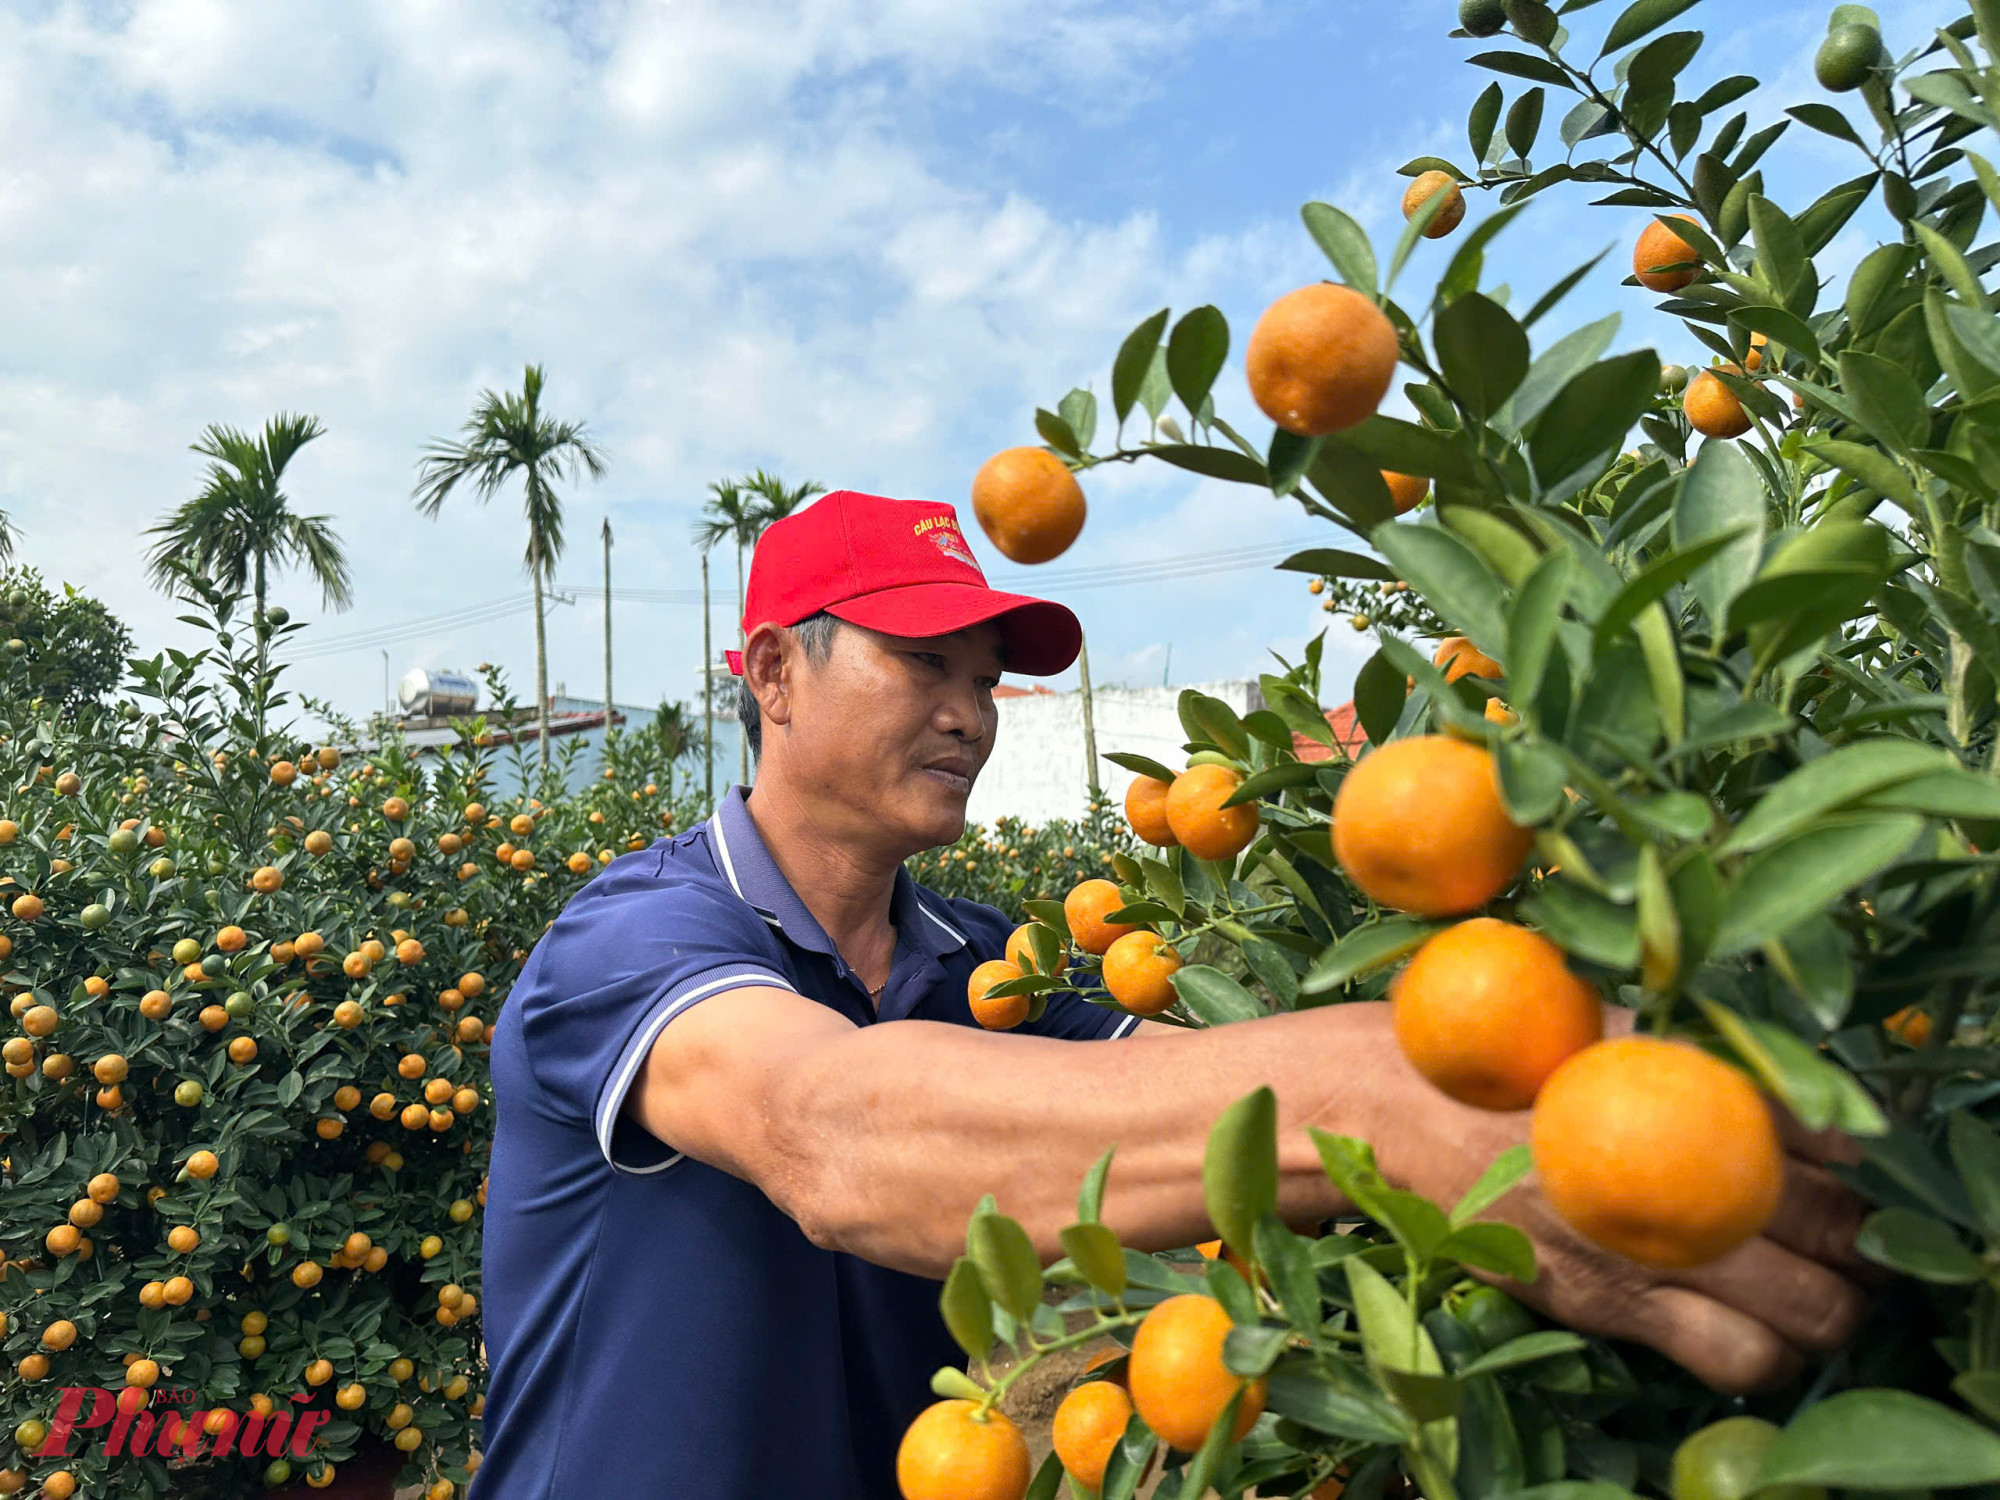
pixel 438 695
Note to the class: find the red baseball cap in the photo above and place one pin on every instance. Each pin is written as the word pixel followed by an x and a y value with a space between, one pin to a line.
pixel 902 567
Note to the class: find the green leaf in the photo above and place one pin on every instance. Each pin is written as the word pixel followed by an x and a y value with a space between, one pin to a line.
pixel 1531 777
pixel 1379 695
pixel 1976 332
pixel 1055 432
pixel 1480 122
pixel 1344 242
pixel 1332 562
pixel 1562 289
pixel 1524 122
pixel 1638 19
pixel 1521 65
pixel 1532 617
pixel 1047 1481
pixel 1215 463
pixel 1135 358
pixel 1722 494
pixel 1239 1171
pixel 1589 417
pixel 1780 326
pixel 1278 778
pixel 1079 410
pixel 1364 949
pixel 1869 466
pixel 1499 1248
pixel 1142 764
pixel 1951 265
pixel 1584 923
pixel 1651 584
pixel 1886 398
pixel 1788 882
pixel 1918 1245
pixel 1975 1151
pixel 1094 1251
pixel 1195 354
pixel 1451 578
pixel 1952 792
pixel 1009 1269
pixel 1214 997
pixel 1289 459
pixel 1482 352
pixel 1567 357
pixel 1090 1197
pixel 1408 448
pixel 1882 1440
pixel 1156 389
pixel 1287 1262
pixel 1781 255
pixel 953 1384
pixel 1524 1350
pixel 1499 1178
pixel 968 1313
pixel 1835 780
pixel 1353 1411
pixel 1389 1333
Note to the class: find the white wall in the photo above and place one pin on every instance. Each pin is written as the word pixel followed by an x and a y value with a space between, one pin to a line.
pixel 1036 771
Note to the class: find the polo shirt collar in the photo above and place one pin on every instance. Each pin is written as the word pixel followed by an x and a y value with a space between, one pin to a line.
pixel 747 865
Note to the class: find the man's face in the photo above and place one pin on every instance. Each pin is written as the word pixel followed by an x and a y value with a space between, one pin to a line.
pixel 891 731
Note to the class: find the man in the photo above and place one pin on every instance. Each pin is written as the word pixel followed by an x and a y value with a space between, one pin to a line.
pixel 744 1111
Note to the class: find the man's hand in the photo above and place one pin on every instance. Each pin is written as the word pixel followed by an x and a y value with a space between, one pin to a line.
pixel 1744 1322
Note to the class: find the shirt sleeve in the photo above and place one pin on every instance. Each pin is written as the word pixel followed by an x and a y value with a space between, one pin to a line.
pixel 623 959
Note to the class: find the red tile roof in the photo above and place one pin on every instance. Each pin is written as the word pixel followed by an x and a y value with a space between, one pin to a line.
pixel 1347 733
pixel 1008 690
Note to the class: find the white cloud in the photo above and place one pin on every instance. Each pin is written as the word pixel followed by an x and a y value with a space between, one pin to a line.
pixel 723 228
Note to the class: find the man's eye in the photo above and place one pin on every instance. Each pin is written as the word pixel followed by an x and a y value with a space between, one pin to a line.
pixel 988 684
pixel 929 659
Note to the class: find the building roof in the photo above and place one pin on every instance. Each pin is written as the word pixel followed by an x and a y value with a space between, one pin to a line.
pixel 1008 690
pixel 1347 733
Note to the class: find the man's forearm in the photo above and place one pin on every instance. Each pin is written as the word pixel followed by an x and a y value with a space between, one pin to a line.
pixel 906 1126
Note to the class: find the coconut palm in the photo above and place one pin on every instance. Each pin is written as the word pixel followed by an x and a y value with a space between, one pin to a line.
pixel 776 499
pixel 673 732
pixel 242 526
pixel 731 515
pixel 509 434
pixel 738 511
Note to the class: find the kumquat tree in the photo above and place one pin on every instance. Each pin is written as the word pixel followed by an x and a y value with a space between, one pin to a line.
pixel 247 1112
pixel 1710 735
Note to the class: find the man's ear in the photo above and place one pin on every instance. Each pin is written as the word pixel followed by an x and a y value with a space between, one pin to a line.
pixel 765 670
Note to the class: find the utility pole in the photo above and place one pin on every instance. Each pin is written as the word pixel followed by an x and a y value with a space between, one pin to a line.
pixel 607 636
pixel 1089 723
pixel 707 688
pixel 388 698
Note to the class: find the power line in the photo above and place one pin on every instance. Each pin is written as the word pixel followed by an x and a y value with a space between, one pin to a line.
pixel 390 634
pixel 1144 570
pixel 1113 575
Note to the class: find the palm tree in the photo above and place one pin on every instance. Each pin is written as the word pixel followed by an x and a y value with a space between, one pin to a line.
pixel 731 516
pixel 242 525
pixel 778 499
pixel 738 512
pixel 509 434
pixel 673 732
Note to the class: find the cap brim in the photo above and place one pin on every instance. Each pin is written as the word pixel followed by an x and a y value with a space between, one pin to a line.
pixel 1041 638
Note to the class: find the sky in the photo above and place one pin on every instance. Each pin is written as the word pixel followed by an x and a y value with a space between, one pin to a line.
pixel 853 241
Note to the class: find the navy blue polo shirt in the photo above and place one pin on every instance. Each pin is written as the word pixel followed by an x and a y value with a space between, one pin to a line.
pixel 657 1329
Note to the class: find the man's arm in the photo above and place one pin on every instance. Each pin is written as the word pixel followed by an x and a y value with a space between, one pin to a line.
pixel 880 1140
